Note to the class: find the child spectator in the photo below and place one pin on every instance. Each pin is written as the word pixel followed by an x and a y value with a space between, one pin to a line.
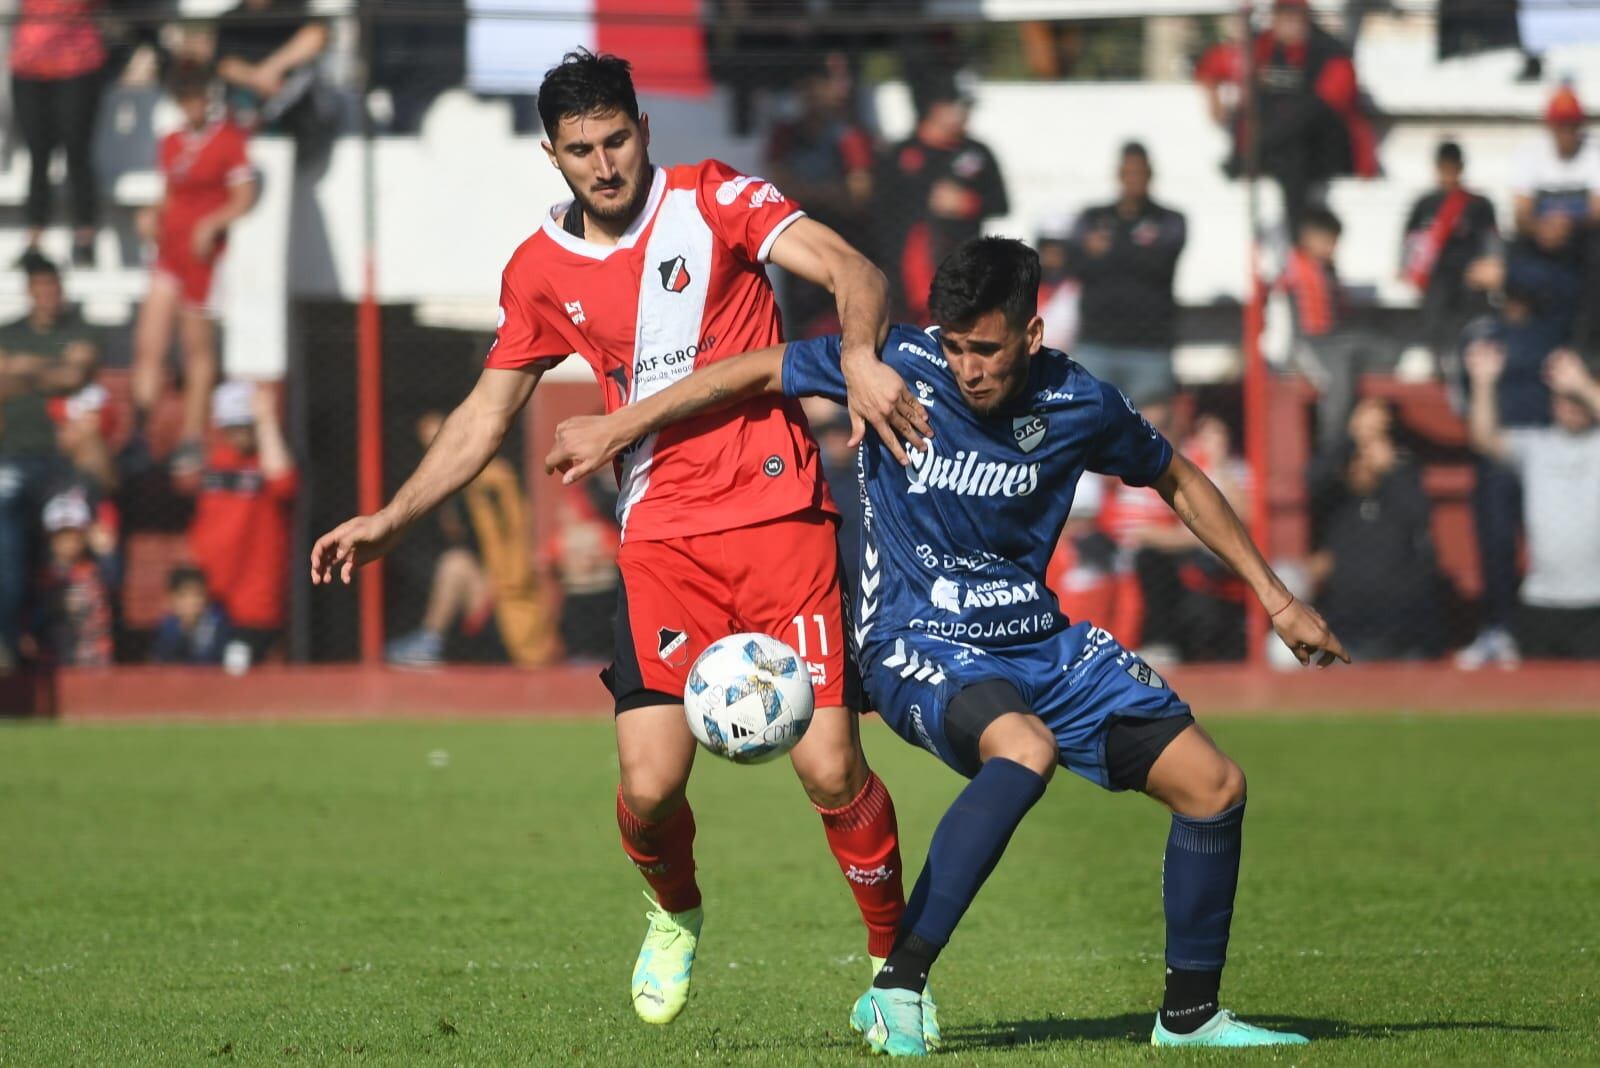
pixel 240 533
pixel 194 630
pixel 1559 466
pixel 1328 350
pixel 75 624
pixel 209 184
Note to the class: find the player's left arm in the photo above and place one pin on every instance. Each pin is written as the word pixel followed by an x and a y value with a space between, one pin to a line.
pixel 877 395
pixel 1204 510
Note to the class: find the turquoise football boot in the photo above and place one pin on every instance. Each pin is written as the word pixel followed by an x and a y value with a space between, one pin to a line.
pixel 890 1021
pixel 930 1009
pixel 1225 1031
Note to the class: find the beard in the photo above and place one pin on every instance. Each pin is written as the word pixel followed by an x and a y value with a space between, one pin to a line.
pixel 622 210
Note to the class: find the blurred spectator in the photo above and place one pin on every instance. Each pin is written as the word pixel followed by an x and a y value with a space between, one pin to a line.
pixel 75 622
pixel 583 556
pixel 1220 72
pixel 1126 254
pixel 1060 292
pixel 823 158
pixel 82 422
pixel 47 355
pixel 1328 350
pixel 933 193
pixel 209 184
pixel 416 59
pixel 194 629
pixel 57 59
pixel 1373 562
pixel 1448 232
pixel 485 583
pixel 1559 466
pixel 1195 605
pixel 266 54
pixel 1312 126
pixel 240 534
pixel 1088 575
pixel 1557 175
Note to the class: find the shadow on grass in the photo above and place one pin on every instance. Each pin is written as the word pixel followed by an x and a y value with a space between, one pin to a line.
pixel 1135 1027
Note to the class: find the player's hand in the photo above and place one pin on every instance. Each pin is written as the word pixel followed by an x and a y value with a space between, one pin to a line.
pixel 584 444
pixel 351 544
pixel 203 239
pixel 1306 634
pixel 878 396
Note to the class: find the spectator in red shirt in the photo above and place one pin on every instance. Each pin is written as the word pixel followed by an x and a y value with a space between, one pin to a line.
pixel 210 183
pixel 57 58
pixel 240 534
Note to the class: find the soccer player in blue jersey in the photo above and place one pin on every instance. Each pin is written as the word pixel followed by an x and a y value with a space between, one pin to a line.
pixel 960 643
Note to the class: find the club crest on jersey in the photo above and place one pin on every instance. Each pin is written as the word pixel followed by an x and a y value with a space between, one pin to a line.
pixel 670 645
pixel 1146 675
pixel 674 274
pixel 1028 430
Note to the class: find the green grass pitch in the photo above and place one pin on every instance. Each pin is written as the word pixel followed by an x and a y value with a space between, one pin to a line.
pixel 1414 890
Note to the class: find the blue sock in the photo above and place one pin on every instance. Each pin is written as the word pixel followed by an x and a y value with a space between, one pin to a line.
pixel 1198 881
pixel 966 846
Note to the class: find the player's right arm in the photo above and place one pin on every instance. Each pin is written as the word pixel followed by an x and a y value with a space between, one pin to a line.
pixel 465 444
pixel 810 368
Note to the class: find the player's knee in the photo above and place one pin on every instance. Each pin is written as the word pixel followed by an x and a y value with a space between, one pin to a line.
pixel 652 797
pixel 1223 789
pixel 833 778
pixel 1022 739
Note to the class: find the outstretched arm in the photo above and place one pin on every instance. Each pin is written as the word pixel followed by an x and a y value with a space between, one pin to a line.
pixel 1205 511
pixel 585 443
pixel 464 445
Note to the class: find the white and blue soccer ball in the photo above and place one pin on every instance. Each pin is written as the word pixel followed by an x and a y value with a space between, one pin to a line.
pixel 748 698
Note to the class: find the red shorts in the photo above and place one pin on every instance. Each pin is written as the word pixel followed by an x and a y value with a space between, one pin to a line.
pixel 196 278
pixel 679 595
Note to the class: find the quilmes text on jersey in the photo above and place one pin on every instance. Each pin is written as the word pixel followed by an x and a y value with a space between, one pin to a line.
pixel 968 475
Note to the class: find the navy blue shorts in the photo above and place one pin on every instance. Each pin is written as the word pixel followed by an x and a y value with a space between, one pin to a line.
pixel 1079 681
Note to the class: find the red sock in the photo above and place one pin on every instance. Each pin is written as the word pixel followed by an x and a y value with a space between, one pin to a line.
pixel 664 854
pixel 866 842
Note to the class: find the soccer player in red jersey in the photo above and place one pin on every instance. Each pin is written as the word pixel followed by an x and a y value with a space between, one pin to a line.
pixel 647 273
pixel 210 183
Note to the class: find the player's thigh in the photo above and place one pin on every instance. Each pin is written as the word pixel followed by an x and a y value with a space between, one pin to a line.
pixel 656 752
pixel 669 608
pixel 784 579
pixel 1192 777
pixel 157 318
pixel 197 337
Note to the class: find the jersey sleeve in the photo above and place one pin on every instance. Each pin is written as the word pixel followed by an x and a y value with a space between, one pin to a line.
pixel 746 213
pixel 811 368
pixel 236 166
pixel 1127 445
pixel 524 339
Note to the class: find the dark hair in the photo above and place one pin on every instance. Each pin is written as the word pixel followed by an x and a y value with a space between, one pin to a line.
pixel 34 262
pixel 984 274
pixel 1449 152
pixel 1322 219
pixel 1136 148
pixel 189 79
pixel 583 83
pixel 179 577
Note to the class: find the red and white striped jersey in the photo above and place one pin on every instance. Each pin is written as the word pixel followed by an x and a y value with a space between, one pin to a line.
pixel 684 287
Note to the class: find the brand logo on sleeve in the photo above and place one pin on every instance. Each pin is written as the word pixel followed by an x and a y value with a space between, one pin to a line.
pixel 773 466
pixel 674 274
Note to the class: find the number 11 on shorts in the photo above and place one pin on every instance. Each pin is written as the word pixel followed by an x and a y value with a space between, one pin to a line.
pixel 800 645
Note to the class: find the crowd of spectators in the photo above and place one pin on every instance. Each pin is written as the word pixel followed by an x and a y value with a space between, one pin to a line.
pixel 1503 309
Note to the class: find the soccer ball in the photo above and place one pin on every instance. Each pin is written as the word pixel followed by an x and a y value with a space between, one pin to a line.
pixel 748 698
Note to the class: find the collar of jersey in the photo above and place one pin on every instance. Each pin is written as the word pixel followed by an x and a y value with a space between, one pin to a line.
pixel 553 229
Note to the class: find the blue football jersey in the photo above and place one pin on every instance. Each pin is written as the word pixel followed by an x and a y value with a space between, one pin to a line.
pixel 955 545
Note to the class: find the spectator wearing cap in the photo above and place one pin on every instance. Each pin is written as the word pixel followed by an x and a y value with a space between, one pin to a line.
pixel 47 355
pixel 75 616
pixel 240 534
pixel 933 192
pixel 194 629
pixel 1126 255
pixel 823 157
pixel 1060 291
pixel 1312 124
pixel 1557 175
pixel 1449 234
